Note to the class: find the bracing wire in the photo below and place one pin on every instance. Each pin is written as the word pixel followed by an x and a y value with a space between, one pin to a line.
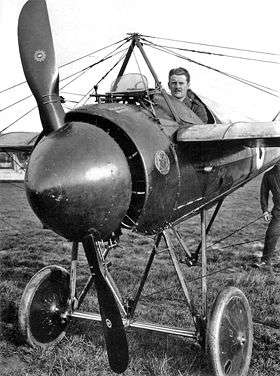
pixel 83 71
pixel 12 87
pixel 146 88
pixel 70 93
pixel 217 54
pixel 106 74
pixel 190 280
pixel 168 50
pixel 212 68
pixel 18 119
pixel 14 160
pixel 237 230
pixel 106 57
pixel 216 270
pixel 94 52
pixel 214 45
pixel 68 63
pixel 87 95
pixel 240 79
pixel 17 102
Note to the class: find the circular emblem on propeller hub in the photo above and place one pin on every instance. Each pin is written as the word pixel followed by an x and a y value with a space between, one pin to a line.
pixel 109 323
pixel 40 55
pixel 162 162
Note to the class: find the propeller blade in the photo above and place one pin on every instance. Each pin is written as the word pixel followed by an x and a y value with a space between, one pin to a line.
pixel 114 333
pixel 38 61
pixel 115 337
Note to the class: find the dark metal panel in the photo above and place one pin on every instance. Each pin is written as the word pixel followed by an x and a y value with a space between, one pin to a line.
pixel 158 158
pixel 207 172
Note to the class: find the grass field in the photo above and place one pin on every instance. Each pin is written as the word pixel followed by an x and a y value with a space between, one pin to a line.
pixel 25 248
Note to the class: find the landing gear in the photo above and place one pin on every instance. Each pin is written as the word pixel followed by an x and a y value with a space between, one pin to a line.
pixel 230 333
pixel 43 307
pixel 51 298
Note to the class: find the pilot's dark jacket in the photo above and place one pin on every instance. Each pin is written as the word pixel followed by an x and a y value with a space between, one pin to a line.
pixel 195 104
pixel 271 183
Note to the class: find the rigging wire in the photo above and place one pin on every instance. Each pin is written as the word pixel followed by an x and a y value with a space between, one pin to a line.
pixel 14 122
pixel 210 245
pixel 214 45
pixel 13 86
pixel 94 52
pixel 106 57
pixel 237 230
pixel 13 104
pixel 82 71
pixel 68 63
pixel 240 79
pixel 243 80
pixel 85 70
pixel 67 92
pixel 146 88
pixel 155 46
pixel 235 244
pixel 106 74
pixel 14 160
pixel 217 54
pixel 190 280
pixel 87 95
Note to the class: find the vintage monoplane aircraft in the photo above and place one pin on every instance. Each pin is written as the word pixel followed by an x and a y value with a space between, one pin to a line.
pixel 140 160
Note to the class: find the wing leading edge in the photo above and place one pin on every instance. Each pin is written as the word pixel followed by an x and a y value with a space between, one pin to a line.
pixel 240 132
pixel 22 141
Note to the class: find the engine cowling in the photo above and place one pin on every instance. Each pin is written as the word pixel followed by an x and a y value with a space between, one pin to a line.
pixel 78 182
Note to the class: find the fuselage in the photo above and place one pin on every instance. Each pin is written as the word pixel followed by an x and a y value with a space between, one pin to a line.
pixel 116 165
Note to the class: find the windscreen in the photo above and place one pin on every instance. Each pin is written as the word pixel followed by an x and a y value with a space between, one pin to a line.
pixel 130 82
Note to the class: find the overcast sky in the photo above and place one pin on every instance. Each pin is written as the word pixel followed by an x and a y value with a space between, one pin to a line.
pixel 80 27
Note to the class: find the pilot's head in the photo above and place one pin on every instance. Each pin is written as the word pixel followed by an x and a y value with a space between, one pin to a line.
pixel 179 82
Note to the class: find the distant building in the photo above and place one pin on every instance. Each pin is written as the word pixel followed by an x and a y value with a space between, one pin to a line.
pixel 15 149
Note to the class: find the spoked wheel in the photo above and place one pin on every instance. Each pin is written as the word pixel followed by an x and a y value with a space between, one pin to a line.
pixel 230 333
pixel 43 307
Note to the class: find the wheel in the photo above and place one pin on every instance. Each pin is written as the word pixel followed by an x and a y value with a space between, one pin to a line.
pixel 230 333
pixel 43 306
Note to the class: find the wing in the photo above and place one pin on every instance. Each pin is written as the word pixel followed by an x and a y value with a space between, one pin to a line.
pixel 18 141
pixel 249 133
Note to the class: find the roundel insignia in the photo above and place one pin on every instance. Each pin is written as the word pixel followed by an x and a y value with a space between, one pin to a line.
pixel 162 162
pixel 40 55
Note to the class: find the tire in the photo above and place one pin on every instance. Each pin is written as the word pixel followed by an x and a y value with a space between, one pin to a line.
pixel 43 307
pixel 230 333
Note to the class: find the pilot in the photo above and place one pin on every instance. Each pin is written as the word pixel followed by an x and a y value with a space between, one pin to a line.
pixel 179 85
pixel 270 183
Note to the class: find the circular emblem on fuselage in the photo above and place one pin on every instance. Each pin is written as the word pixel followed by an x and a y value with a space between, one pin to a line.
pixel 162 162
pixel 40 55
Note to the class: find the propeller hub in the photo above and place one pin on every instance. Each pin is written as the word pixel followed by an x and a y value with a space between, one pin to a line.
pixel 78 182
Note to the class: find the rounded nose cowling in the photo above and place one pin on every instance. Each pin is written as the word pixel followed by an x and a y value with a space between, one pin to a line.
pixel 78 182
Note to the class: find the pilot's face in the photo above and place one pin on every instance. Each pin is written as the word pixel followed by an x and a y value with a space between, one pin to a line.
pixel 178 86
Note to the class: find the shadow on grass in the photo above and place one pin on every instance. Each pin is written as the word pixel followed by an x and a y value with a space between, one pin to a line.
pixel 9 328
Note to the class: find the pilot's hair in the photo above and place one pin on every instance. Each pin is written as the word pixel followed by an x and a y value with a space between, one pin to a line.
pixel 179 71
